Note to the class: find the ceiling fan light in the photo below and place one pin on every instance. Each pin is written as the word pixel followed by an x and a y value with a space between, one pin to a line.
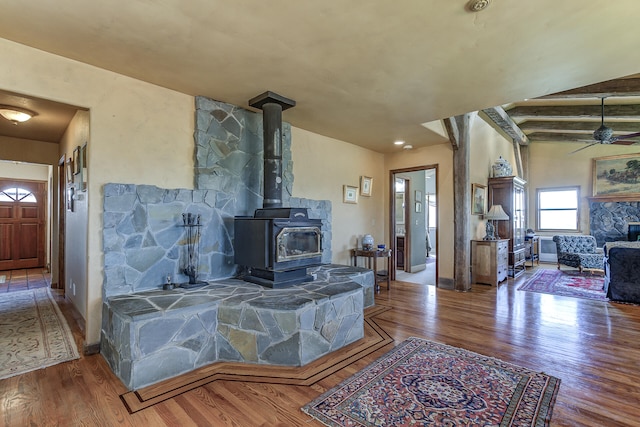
pixel 15 115
pixel 603 134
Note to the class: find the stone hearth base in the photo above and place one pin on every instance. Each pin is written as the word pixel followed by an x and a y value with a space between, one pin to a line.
pixel 155 335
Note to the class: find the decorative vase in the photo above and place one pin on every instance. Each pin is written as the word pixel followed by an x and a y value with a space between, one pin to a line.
pixel 501 168
pixel 367 242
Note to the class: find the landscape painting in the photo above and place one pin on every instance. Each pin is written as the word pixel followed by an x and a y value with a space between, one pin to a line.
pixel 616 175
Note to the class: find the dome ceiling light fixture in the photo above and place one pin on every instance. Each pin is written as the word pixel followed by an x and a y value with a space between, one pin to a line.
pixel 477 5
pixel 16 114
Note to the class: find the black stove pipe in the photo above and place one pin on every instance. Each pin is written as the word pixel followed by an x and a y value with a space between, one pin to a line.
pixel 272 106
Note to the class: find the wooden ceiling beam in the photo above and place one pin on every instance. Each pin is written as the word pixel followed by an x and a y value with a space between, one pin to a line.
pixel 618 87
pixel 560 137
pixel 631 111
pixel 565 137
pixel 556 125
pixel 502 120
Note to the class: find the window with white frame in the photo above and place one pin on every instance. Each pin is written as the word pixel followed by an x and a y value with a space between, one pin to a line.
pixel 557 209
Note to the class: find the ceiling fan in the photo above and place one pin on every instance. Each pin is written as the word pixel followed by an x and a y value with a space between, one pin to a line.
pixel 604 134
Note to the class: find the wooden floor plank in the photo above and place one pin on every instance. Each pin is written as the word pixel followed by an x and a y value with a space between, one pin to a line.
pixel 592 346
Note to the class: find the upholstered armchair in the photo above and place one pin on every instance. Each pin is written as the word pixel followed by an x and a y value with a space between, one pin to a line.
pixel 579 252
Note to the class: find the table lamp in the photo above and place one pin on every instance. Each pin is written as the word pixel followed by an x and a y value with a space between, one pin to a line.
pixel 496 213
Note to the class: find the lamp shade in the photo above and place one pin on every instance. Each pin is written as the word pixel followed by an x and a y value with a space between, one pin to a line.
pixel 496 213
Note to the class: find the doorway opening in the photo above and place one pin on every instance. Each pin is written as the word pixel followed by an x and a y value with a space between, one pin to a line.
pixel 414 224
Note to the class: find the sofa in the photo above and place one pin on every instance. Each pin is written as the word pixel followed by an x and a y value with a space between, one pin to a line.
pixel 579 251
pixel 622 271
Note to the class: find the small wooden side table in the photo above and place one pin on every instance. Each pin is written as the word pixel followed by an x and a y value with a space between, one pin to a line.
pixel 372 258
pixel 532 246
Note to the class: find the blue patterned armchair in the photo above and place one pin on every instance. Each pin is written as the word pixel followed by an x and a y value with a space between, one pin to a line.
pixel 579 252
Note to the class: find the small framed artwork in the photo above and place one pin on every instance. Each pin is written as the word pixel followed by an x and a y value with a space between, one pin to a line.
pixel 69 167
pixel 83 169
pixel 76 161
pixel 418 195
pixel 366 182
pixel 349 194
pixel 478 199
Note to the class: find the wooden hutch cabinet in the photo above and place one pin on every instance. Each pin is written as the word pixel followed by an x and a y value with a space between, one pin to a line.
pixel 509 192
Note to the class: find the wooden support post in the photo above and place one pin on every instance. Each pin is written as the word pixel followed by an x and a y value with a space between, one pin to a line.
pixel 461 200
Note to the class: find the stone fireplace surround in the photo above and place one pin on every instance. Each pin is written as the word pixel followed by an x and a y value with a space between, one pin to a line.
pixel 149 334
pixel 609 220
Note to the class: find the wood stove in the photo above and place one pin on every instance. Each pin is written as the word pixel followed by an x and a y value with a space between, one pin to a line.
pixel 277 245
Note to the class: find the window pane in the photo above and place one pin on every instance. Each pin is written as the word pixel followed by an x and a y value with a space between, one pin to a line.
pixel 17 195
pixel 565 199
pixel 559 220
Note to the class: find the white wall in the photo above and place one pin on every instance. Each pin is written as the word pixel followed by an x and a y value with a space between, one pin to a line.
pixel 553 165
pixel 75 267
pixel 140 134
pixel 321 166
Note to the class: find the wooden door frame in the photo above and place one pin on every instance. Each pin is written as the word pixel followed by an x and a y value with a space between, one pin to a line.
pixel 62 212
pixel 392 216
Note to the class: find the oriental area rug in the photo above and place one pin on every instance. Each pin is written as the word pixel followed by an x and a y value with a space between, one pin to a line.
pixel 33 333
pixel 568 283
pixel 421 382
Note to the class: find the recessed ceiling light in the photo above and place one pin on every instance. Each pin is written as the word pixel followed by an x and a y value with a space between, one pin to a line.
pixel 407 147
pixel 398 142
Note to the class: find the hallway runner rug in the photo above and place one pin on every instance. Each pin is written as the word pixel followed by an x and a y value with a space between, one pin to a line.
pixel 422 382
pixel 33 333
pixel 568 283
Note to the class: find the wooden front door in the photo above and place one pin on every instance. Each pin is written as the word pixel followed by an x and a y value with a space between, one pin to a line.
pixel 22 223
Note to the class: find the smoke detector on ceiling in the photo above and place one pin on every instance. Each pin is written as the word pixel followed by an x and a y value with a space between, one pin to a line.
pixel 477 5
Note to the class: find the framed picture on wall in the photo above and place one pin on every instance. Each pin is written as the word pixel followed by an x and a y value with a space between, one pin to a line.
pixel 616 175
pixel 69 167
pixel 83 167
pixel 349 194
pixel 366 182
pixel 76 161
pixel 478 199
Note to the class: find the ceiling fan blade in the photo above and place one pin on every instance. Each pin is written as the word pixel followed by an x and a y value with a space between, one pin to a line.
pixel 630 135
pixel 624 142
pixel 582 148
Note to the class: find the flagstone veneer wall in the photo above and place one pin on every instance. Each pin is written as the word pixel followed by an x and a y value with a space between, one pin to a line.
pixel 609 221
pixel 143 237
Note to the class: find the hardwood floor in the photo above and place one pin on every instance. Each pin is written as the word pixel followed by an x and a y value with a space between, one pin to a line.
pixel 594 347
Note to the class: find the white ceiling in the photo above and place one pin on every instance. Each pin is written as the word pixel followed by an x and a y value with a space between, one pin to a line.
pixel 363 71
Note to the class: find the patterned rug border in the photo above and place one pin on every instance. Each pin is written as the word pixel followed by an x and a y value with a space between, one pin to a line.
pixel 543 407
pixel 529 285
pixel 50 319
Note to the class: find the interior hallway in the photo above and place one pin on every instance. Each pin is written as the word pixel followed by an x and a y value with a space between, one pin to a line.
pixel 424 277
pixel 24 279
